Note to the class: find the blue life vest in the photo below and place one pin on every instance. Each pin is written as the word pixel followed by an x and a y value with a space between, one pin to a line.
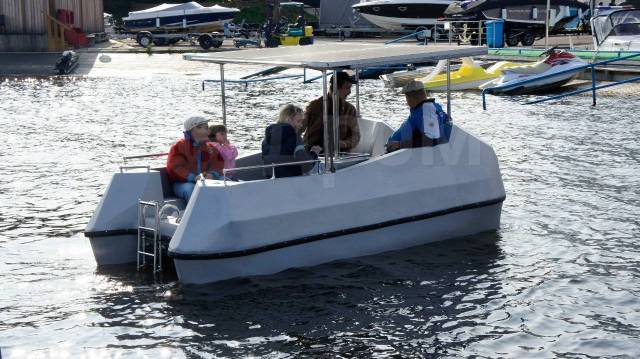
pixel 444 122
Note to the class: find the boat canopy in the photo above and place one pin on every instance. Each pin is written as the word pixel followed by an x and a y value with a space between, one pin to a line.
pixel 619 22
pixel 341 55
pixel 170 7
pixel 174 9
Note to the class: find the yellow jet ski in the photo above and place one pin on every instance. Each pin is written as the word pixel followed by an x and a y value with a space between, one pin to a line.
pixel 469 76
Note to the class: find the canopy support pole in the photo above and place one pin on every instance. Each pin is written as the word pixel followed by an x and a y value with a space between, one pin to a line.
pixel 336 119
pixel 546 26
pixel 325 120
pixel 449 87
pixel 358 92
pixel 224 97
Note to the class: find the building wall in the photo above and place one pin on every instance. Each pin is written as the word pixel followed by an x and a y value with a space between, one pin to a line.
pixel 26 16
pixel 25 28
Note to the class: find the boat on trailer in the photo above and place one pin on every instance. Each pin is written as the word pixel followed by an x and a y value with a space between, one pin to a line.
pixel 356 204
pixel 179 17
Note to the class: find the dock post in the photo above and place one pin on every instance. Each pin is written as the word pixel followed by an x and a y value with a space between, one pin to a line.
pixel 484 100
pixel 224 98
pixel 593 84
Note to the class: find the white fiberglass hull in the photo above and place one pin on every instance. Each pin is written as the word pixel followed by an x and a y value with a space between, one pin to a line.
pixel 621 43
pixel 402 14
pixel 510 84
pixel 403 199
pixel 460 86
pixel 397 23
pixel 395 237
pixel 262 226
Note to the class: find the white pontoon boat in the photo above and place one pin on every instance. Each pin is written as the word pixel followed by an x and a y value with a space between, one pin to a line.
pixel 357 204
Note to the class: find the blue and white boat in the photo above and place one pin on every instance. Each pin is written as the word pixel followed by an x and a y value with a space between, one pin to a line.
pixel 190 16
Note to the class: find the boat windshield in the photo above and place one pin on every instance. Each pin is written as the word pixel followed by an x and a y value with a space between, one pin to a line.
pixel 617 23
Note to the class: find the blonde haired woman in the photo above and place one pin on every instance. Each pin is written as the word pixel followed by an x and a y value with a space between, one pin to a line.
pixel 282 143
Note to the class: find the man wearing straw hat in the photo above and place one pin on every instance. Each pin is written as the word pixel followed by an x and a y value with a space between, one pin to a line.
pixel 427 124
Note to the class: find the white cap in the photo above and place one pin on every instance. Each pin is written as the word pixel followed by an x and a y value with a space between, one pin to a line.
pixel 192 122
pixel 413 86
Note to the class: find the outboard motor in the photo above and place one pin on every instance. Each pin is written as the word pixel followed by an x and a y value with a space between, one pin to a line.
pixel 67 62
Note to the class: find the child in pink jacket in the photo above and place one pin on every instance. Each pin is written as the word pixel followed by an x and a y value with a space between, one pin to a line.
pixel 229 152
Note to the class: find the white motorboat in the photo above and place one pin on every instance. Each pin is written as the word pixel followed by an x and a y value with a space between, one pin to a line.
pixel 556 69
pixel 402 14
pixel 357 204
pixel 616 28
pixel 172 17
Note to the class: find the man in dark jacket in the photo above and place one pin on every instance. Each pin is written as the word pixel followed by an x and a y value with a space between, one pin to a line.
pixel 313 126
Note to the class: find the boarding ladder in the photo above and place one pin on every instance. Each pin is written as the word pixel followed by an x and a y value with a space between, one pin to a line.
pixel 145 231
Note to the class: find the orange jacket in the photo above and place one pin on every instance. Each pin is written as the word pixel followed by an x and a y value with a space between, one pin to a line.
pixel 186 161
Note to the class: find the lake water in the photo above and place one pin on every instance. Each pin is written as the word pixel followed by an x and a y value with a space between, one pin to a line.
pixel 561 278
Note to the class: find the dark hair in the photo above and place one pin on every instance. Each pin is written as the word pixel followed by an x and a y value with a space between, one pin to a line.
pixel 213 129
pixel 343 78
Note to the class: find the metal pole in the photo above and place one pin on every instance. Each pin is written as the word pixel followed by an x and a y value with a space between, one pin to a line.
pixel 224 98
pixel 358 92
pixel 335 119
pixel 546 26
pixel 434 35
pixel 325 120
pixel 449 88
pixel 593 84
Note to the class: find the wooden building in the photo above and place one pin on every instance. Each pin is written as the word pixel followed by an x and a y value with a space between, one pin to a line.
pixel 33 25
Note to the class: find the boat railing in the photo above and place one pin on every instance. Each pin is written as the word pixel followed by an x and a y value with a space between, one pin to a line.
pixel 271 165
pixel 450 33
pixel 124 169
pixel 125 159
pixel 577 69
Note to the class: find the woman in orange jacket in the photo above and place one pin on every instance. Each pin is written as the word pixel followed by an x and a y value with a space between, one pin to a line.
pixel 193 158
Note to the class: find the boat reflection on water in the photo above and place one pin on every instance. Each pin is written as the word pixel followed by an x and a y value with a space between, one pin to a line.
pixel 406 300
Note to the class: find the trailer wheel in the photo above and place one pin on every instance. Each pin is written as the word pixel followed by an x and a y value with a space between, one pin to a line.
pixel 528 38
pixel 272 42
pixel 512 38
pixel 305 41
pixel 217 43
pixel 159 41
pixel 205 41
pixel 421 37
pixel 145 39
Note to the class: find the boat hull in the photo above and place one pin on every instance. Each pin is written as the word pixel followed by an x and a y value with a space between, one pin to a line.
pixel 114 250
pixel 517 88
pixel 398 200
pixel 458 223
pixel 460 85
pixel 197 22
pixel 399 15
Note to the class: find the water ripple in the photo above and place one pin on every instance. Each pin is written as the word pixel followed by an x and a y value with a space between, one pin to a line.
pixel 560 278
